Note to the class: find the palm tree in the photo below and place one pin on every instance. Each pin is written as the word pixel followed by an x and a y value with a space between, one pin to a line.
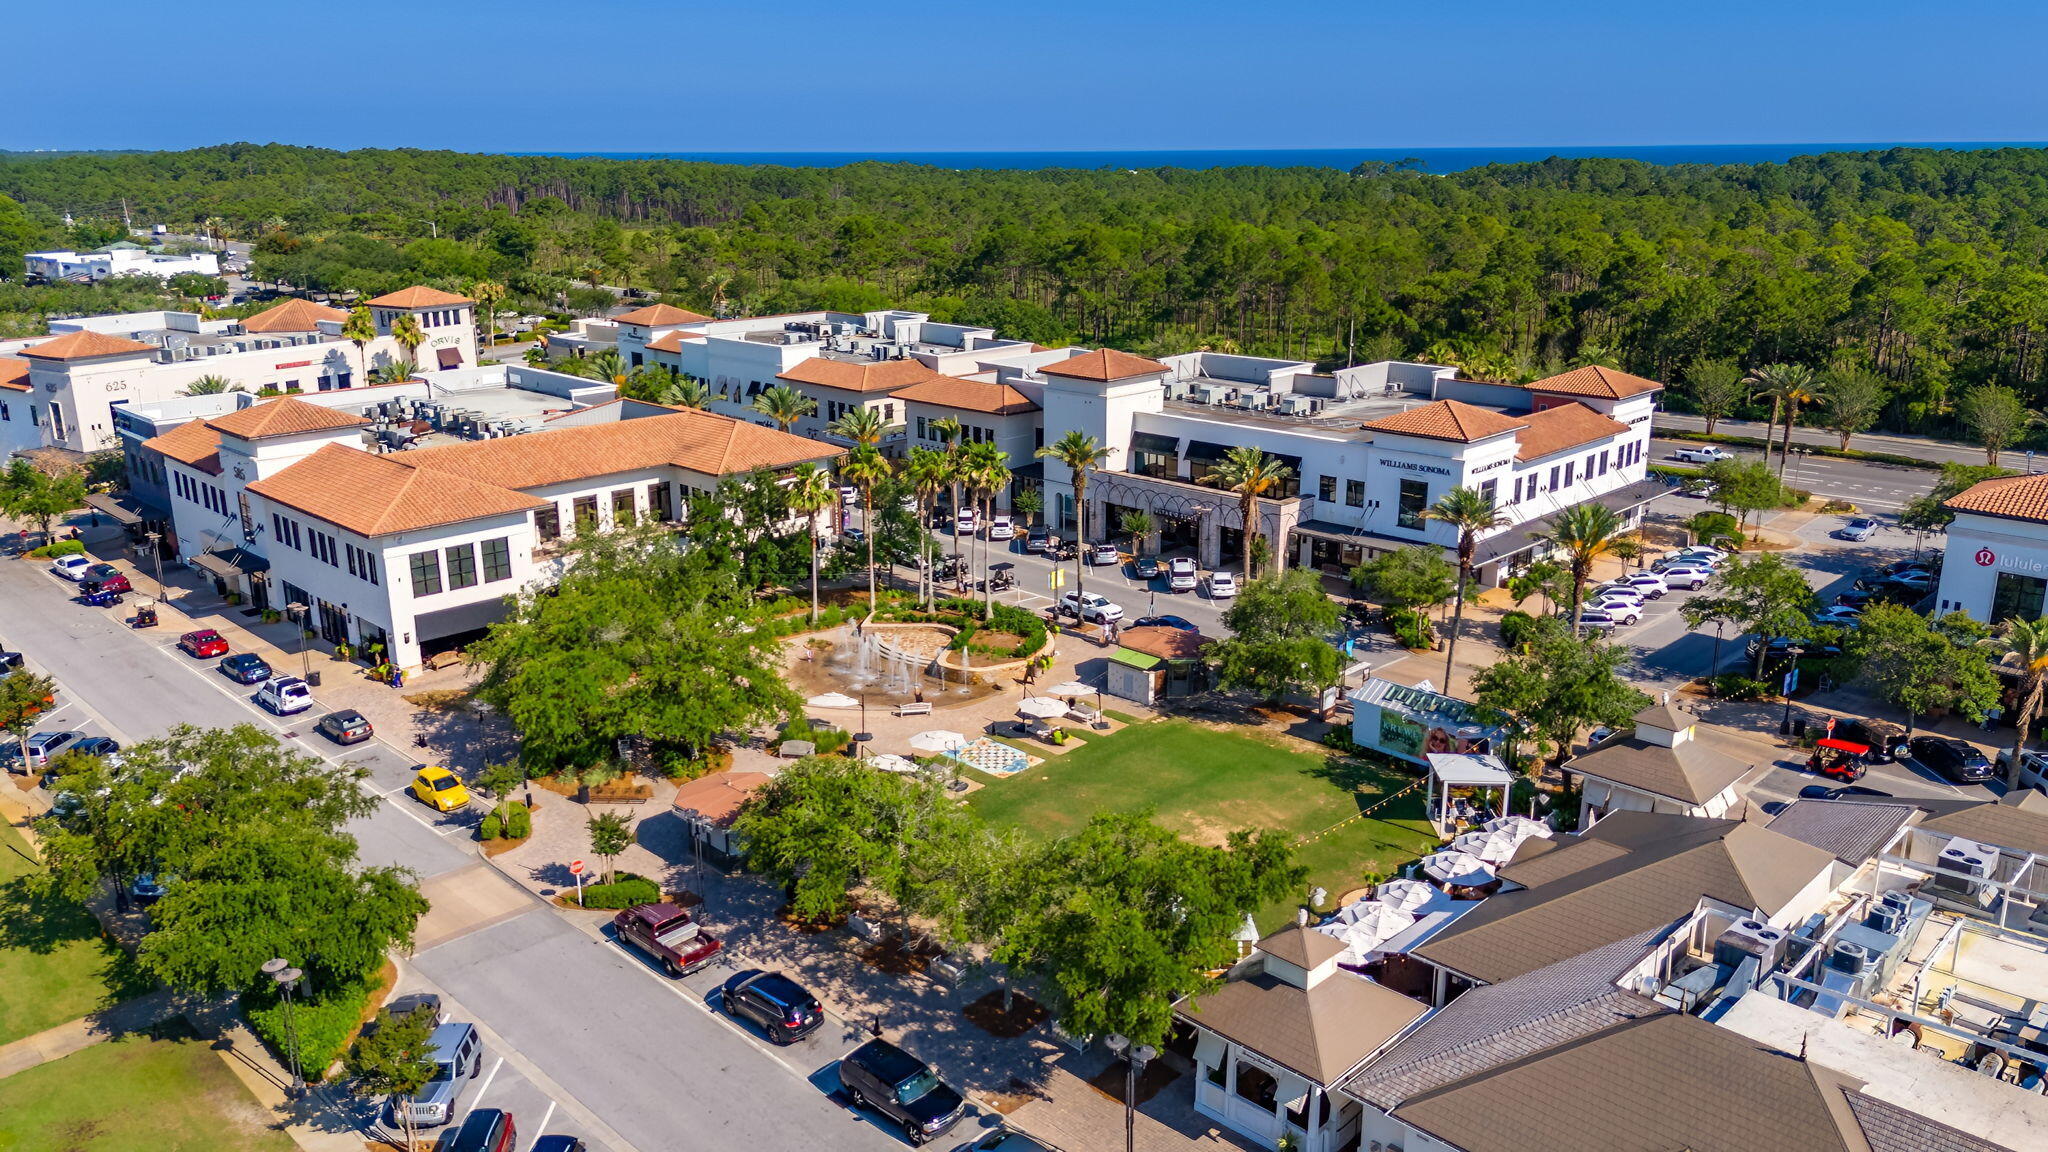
pixel 948 431
pixel 610 367
pixel 407 332
pixel 1080 452
pixel 864 426
pixel 2022 645
pixel 866 467
pixel 1788 386
pixel 1471 512
pixel 209 385
pixel 1251 474
pixel 1136 525
pixel 1584 533
pixel 928 471
pixel 359 329
pixel 784 405
pixel 686 392
pixel 811 491
pixel 396 372
pixel 988 472
pixel 716 284
pixel 488 293
pixel 214 229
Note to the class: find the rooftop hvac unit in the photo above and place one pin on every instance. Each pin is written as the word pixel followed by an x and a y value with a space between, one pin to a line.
pixel 1255 400
pixel 1969 858
pixel 1300 405
pixel 1755 938
pixel 878 352
pixel 1884 918
pixel 1849 958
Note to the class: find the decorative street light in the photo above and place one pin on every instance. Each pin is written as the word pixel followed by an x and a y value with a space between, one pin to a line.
pixel 287 978
pixel 299 614
pixel 157 552
pixel 1135 1060
pixel 1786 685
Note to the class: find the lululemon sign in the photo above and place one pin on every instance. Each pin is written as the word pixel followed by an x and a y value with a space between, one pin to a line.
pixel 1986 557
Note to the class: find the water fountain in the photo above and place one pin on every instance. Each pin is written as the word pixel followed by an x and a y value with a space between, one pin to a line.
pixel 864 663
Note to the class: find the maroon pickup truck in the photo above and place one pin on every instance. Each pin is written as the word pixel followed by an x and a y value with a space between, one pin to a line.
pixel 667 933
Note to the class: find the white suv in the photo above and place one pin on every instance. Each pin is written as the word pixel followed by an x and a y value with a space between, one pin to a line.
pixel 1001 527
pixel 1623 611
pixel 1686 575
pixel 1181 574
pixel 1090 608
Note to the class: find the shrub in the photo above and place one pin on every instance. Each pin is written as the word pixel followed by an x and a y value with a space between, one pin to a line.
pixel 1340 739
pixel 1410 627
pixel 518 822
pixel 623 892
pixel 827 740
pixel 1516 629
pixel 1735 686
pixel 324 1023
pixel 56 548
pixel 490 829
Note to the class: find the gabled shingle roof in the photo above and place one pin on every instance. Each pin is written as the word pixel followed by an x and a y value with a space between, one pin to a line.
pixel 2011 497
pixel 284 416
pixel 418 296
pixel 1103 365
pixel 293 316
pixel 861 376
pixel 1890 1128
pixel 191 443
pixel 1596 381
pixel 657 315
pixel 1321 1032
pixel 1301 947
pixel 2015 820
pixel 1561 429
pixel 375 495
pixel 84 345
pixel 969 396
pixel 1452 420
pixel 1852 830
pixel 1691 771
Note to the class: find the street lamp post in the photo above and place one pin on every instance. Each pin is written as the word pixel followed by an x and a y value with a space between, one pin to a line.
pixel 299 614
pixel 1792 655
pixel 287 978
pixel 1135 1060
pixel 156 553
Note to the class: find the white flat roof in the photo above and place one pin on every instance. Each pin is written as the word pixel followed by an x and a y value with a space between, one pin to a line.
pixel 1469 771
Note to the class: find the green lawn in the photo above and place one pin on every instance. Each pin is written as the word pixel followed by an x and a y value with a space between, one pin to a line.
pixel 1206 783
pixel 54 964
pixel 169 1095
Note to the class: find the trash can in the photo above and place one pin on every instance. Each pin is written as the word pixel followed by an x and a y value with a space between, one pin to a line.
pixel 1799 726
pixel 313 679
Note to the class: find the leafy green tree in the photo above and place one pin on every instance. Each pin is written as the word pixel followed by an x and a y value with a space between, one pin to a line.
pixel 1715 529
pixel 1252 475
pixel 824 826
pixel 610 836
pixel 1758 593
pixel 1716 388
pixel 1545 577
pixel 30 493
pixel 1924 514
pixel 1279 627
pixel 392 1059
pixel 2022 645
pixel 499 781
pixel 1584 533
pixel 1472 514
pixel 1081 454
pixel 1745 487
pixel 1850 400
pixel 24 697
pixel 19 234
pixel 1995 416
pixel 1917 665
pixel 1417 577
pixel 1558 685
pixel 1124 918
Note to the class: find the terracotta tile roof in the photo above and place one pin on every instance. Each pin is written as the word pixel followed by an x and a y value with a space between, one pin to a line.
pixel 418 296
pixel 84 345
pixel 1653 1084
pixel 859 376
pixel 374 495
pixel 1320 1032
pixel 1595 381
pixel 687 438
pixel 190 443
pixel 13 373
pixel 2010 497
pixel 1104 364
pixel 672 341
pixel 969 396
pixel 293 316
pixel 656 315
pixel 284 416
pixel 1446 420
pixel 716 799
pixel 1563 427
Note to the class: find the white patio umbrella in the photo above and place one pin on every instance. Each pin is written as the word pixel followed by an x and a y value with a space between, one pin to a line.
pixel 1375 920
pixel 1457 868
pixel 890 762
pixel 1072 688
pixel 833 700
pixel 1406 895
pixel 1041 707
pixel 1521 826
pixel 1492 847
pixel 936 741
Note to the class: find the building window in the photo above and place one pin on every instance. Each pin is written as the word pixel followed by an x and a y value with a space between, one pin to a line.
pixel 1257 1085
pixel 1354 493
pixel 547 522
pixel 369 564
pixel 1569 465
pixel 498 559
pixel 461 566
pixel 426 573
pixel 622 507
pixel 1326 489
pixel 1554 469
pixel 2017 595
pixel 657 501
pixel 921 422
pixel 1414 499
pixel 584 511
pixel 1490 491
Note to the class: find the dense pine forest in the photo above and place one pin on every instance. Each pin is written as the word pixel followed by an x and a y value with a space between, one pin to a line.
pixel 1923 268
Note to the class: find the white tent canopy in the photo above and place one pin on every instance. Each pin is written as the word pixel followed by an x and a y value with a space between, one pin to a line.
pixel 833 700
pixel 1072 688
pixel 1457 868
pixel 1041 707
pixel 937 740
pixel 1448 770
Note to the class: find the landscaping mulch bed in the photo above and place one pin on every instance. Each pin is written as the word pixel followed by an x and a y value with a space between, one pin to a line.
pixel 790 921
pixel 894 958
pixel 501 845
pixel 987 1014
pixel 1014 1095
pixel 1110 1081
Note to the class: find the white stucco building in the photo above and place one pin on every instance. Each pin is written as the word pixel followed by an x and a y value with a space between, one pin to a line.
pixel 1996 563
pixel 121 259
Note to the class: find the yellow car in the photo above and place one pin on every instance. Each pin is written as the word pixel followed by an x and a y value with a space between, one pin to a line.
pixel 440 789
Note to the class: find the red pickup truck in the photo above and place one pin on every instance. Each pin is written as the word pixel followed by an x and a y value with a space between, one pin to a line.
pixel 666 933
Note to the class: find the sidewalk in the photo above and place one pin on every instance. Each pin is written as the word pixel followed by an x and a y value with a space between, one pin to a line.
pixel 86 1031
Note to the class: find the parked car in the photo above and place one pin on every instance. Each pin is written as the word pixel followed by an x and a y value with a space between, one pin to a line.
pixel 45 746
pixel 1687 576
pixel 285 695
pixel 849 495
pixel 881 1076
pixel 1648 583
pixel 1859 528
pixel 781 1006
pixel 485 1130
pixel 102 572
pixel 1181 623
pixel 97 746
pixel 1929 566
pixel 1702 455
pixel 1622 611
pixel 347 726
pixel 1855 599
pixel 1852 792
pixel 1886 740
pixel 1704 553
pixel 203 644
pixel 1182 574
pixel 147 888
pixel 1598 618
pixel 1038 538
pixel 967 522
pixel 457 1051
pixel 245 668
pixel 1003 1140
pixel 116 583
pixel 71 567
pixel 667 934
pixel 1144 567
pixel 1103 556
pixel 1953 758
pixel 1618 591
pixel 1089 607
pixel 413 1002
pixel 1781 649
pixel 1838 615
pixel 2032 764
pixel 1001 527
pixel 440 789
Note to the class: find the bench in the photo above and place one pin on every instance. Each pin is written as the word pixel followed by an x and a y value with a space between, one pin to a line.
pixel 1083 714
pixel 922 708
pixel 440 660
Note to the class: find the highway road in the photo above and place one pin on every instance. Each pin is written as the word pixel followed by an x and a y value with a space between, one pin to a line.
pixel 593 1042
pixel 1879 488
pixel 1919 447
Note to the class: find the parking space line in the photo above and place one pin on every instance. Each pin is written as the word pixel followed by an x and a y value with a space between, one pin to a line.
pixel 542 1127
pixel 486 1086
pixel 702 1005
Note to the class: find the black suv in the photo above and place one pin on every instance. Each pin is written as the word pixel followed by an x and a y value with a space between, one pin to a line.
pixel 881 1076
pixel 1952 758
pixel 1886 740
pixel 778 1004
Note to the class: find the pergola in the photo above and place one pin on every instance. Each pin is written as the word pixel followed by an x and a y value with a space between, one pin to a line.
pixel 1450 770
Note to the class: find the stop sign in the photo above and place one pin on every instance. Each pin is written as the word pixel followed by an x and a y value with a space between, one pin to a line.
pixel 575 867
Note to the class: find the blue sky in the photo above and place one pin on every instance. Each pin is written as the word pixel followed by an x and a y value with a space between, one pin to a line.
pixel 919 75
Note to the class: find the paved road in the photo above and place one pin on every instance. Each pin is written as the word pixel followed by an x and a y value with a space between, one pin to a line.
pixel 599 1043
pixel 1920 447
pixel 1879 488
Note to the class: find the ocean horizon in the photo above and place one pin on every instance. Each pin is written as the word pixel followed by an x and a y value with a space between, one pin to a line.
pixel 1437 160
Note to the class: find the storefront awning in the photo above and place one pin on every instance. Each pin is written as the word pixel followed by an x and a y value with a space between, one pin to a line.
pixel 449 357
pixel 231 563
pixel 1136 659
pixel 123 508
